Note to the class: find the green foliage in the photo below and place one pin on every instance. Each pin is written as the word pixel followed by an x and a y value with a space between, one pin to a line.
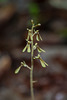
pixel 34 9
pixel 3 0
pixel 63 32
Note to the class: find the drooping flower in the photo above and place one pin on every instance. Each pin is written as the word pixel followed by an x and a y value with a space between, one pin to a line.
pixel 37 57
pixel 38 37
pixel 43 63
pixel 22 64
pixel 27 47
pixel 38 48
pixel 35 46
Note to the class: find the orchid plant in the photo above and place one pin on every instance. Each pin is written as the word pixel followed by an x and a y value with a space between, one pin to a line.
pixel 30 48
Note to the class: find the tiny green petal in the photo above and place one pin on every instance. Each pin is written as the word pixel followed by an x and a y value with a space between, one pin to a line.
pixel 31 37
pixel 37 37
pixel 27 37
pixel 24 49
pixel 37 57
pixel 40 37
pixel 17 70
pixel 40 50
pixel 28 29
pixel 36 31
pixel 35 46
pixel 28 48
pixel 46 64
pixel 42 63
pixel 39 24
pixel 23 64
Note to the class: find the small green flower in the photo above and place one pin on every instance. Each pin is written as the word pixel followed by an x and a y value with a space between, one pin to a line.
pixel 37 57
pixel 35 46
pixel 38 48
pixel 38 37
pixel 27 38
pixel 43 63
pixel 27 47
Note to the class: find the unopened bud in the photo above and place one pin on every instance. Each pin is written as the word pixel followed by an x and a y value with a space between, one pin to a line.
pixel 39 24
pixel 32 21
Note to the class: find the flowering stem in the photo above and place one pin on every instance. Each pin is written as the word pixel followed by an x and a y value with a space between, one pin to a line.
pixel 30 42
pixel 31 71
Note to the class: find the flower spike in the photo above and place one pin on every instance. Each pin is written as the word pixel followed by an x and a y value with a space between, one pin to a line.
pixel 30 47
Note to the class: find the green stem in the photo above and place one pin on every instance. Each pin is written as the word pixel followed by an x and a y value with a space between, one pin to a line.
pixel 31 71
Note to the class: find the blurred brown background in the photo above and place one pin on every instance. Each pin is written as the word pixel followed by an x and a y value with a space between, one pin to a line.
pixel 15 16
